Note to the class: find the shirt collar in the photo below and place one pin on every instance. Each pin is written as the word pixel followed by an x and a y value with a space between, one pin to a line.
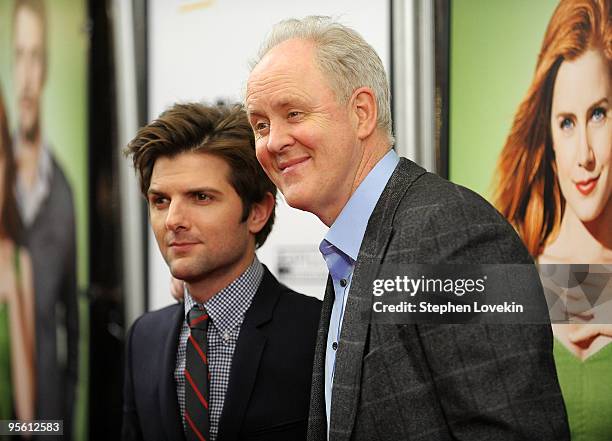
pixel 347 232
pixel 227 308
pixel 29 201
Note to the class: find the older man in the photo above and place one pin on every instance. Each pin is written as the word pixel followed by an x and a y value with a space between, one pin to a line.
pixel 318 101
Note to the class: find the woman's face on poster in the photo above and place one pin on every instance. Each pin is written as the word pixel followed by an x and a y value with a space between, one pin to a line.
pixel 581 127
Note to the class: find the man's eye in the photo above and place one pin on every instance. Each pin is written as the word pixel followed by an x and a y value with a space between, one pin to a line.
pixel 294 114
pixel 599 114
pixel 566 124
pixel 261 126
pixel 203 197
pixel 158 200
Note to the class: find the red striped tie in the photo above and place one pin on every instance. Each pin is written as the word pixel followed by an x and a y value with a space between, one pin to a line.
pixel 197 377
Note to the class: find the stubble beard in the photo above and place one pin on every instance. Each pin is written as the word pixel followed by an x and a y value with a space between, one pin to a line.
pixel 189 272
pixel 202 267
pixel 31 134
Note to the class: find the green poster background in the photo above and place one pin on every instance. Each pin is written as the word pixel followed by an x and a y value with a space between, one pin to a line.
pixel 493 53
pixel 64 113
pixel 64 121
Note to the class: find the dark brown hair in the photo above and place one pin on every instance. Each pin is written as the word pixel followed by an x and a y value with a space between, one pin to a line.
pixel 217 130
pixel 527 190
pixel 10 224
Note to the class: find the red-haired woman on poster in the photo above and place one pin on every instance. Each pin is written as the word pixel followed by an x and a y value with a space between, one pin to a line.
pixel 555 187
pixel 16 296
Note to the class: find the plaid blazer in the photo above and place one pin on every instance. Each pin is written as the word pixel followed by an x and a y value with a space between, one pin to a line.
pixel 435 382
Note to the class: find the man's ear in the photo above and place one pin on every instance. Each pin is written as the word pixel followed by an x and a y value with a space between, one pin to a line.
pixel 363 105
pixel 260 213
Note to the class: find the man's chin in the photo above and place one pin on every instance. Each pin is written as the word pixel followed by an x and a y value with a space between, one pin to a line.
pixel 303 204
pixel 188 272
pixel 183 275
pixel 295 199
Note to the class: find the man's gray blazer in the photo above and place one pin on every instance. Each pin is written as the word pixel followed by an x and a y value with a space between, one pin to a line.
pixel 435 382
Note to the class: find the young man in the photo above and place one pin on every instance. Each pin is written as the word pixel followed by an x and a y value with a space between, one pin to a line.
pixel 47 212
pixel 235 360
pixel 318 101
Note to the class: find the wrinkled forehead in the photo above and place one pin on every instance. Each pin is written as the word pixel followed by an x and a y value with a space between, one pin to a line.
pixel 285 81
pixel 290 58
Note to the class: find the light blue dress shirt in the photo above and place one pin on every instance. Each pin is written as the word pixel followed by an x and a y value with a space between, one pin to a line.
pixel 340 248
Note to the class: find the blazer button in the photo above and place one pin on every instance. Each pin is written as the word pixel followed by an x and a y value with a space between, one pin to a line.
pixel 335 345
pixel 343 283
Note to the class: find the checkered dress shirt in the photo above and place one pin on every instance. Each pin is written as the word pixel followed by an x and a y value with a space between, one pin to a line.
pixel 226 310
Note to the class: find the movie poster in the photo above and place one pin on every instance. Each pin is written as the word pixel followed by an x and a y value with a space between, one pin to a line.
pixel 531 130
pixel 43 223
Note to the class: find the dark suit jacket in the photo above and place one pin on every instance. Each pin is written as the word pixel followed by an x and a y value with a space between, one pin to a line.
pixel 435 382
pixel 51 240
pixel 269 386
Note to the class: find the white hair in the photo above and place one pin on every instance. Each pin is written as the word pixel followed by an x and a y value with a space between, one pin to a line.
pixel 343 56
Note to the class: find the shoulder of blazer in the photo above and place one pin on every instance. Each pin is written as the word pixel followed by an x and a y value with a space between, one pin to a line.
pixel 417 204
pixel 413 188
pixel 415 201
pixel 272 295
pixel 155 325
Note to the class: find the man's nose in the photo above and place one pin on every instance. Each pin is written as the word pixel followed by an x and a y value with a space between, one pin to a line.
pixel 26 70
pixel 279 137
pixel 177 218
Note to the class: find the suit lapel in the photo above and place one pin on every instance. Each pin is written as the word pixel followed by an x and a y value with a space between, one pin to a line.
pixel 247 355
pixel 355 325
pixel 170 411
pixel 317 420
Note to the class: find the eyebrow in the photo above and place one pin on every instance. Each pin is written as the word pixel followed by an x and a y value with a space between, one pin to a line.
pixel 250 111
pixel 204 190
pixel 288 101
pixel 285 102
pixel 155 192
pixel 604 100
pixel 601 101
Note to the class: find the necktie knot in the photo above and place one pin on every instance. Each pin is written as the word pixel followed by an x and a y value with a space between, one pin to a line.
pixel 198 318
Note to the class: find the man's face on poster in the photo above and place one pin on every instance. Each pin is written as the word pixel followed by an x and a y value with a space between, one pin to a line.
pixel 29 70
